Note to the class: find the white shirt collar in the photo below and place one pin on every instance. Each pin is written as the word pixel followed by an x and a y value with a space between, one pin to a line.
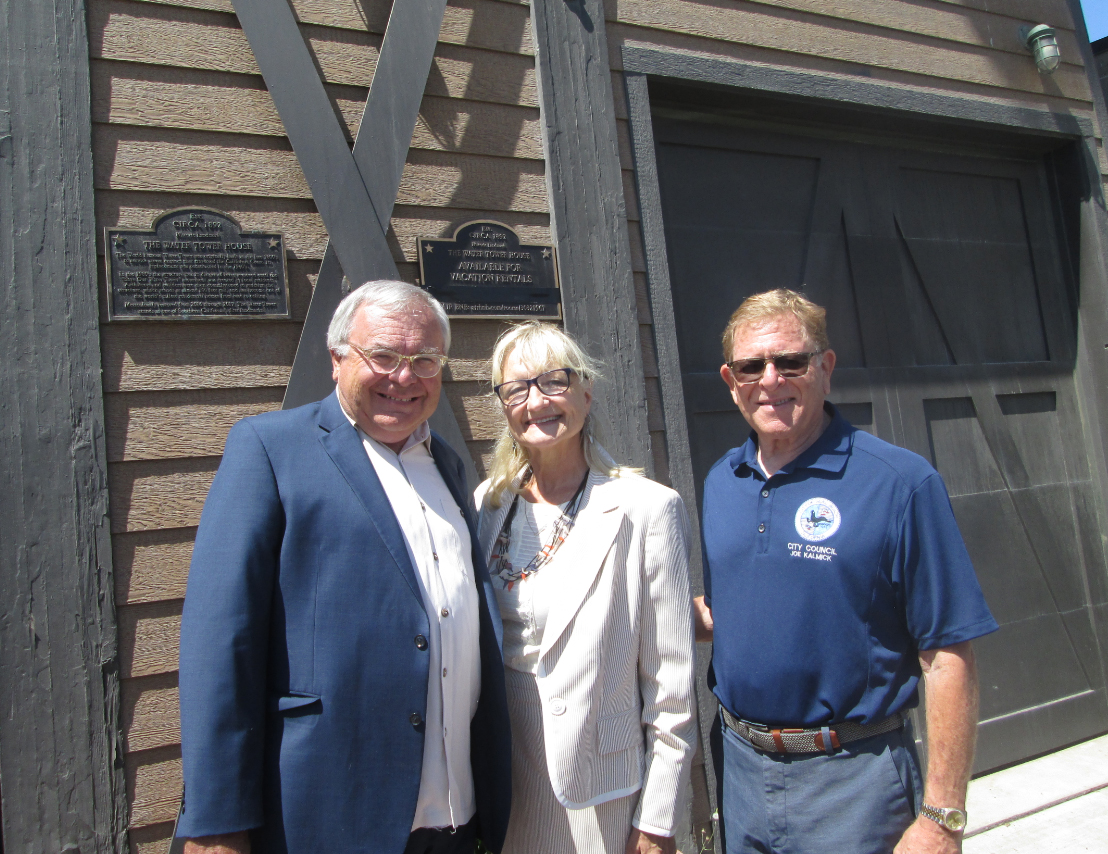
pixel 422 433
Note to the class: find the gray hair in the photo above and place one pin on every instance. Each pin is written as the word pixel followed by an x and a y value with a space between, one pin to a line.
pixel 386 294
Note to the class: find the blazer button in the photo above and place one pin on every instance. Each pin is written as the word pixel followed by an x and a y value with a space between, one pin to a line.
pixel 420 642
pixel 557 706
pixel 416 718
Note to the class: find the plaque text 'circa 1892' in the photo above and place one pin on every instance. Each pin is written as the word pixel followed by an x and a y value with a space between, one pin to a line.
pixel 195 264
pixel 484 271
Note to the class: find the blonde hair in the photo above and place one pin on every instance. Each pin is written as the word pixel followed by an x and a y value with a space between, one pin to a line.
pixel 770 304
pixel 542 347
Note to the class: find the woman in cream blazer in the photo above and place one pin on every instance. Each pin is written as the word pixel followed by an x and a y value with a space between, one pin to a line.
pixel 590 565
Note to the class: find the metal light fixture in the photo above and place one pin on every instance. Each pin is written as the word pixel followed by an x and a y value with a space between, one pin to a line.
pixel 1041 42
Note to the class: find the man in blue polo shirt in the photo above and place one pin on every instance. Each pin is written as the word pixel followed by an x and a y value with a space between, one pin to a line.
pixel 835 576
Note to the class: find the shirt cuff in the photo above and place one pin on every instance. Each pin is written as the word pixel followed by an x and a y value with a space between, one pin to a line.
pixel 646 828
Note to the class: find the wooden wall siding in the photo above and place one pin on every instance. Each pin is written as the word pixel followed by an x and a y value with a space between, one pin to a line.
pixel 981 57
pixel 182 117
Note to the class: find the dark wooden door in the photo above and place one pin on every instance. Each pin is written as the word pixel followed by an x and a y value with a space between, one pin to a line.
pixel 955 333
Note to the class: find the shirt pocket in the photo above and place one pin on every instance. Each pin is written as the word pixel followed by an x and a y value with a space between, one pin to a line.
pixel 620 731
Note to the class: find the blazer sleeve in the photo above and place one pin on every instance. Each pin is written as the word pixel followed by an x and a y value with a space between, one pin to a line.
pixel 666 668
pixel 224 641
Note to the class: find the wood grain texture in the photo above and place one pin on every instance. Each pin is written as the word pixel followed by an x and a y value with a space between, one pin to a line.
pixel 63 789
pixel 479 414
pixel 502 25
pixel 654 409
pixel 151 566
pixel 145 159
pixel 153 357
pixel 1056 121
pixel 728 29
pixel 996 29
pixel 148 638
pixel 589 214
pixel 156 494
pixel 835 73
pixel 168 425
pixel 649 359
pixel 151 712
pixel 188 38
pixel 674 444
pixel 471 349
pixel 642 296
pixel 154 785
pixel 481 451
pixel 150 839
pixel 158 97
pixel 661 458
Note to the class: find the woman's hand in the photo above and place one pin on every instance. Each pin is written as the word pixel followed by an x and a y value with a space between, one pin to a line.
pixel 640 842
pixel 702 620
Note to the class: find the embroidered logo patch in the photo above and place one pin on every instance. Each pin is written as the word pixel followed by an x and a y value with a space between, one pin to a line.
pixel 817 519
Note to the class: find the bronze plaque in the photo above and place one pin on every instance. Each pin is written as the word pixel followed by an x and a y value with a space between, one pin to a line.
pixel 195 264
pixel 485 272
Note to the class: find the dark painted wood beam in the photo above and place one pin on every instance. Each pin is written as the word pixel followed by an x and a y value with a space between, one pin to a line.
pixel 589 214
pixel 380 151
pixel 316 135
pixel 60 752
pixel 354 191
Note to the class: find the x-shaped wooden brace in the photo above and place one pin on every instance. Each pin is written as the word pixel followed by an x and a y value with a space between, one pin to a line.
pixel 354 191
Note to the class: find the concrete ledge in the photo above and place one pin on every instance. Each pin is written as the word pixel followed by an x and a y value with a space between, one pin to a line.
pixel 1057 802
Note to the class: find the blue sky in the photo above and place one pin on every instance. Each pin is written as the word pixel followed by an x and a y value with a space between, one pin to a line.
pixel 1096 18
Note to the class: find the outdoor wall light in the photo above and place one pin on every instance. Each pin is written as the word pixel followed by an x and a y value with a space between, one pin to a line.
pixel 1041 42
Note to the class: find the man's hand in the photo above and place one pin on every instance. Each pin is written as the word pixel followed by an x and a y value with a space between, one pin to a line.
pixel 702 620
pixel 224 843
pixel 924 836
pixel 640 842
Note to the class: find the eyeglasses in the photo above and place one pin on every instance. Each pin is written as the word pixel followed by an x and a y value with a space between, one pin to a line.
pixel 424 365
pixel 553 382
pixel 787 365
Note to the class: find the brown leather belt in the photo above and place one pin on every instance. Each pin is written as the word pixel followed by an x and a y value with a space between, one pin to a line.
pixel 826 739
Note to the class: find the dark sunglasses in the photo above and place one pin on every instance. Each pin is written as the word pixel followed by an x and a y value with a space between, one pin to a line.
pixel 788 365
pixel 553 382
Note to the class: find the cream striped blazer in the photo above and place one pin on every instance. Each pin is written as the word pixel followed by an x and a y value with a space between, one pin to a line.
pixel 616 664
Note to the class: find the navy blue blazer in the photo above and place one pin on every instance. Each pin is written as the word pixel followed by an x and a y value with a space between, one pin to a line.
pixel 303 665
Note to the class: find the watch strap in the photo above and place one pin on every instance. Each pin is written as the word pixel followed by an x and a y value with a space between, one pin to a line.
pixel 951 818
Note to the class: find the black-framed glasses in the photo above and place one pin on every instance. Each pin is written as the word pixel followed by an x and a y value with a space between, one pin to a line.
pixel 552 383
pixel 787 365
pixel 424 365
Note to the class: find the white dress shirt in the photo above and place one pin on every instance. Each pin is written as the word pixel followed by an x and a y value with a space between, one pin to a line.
pixel 439 547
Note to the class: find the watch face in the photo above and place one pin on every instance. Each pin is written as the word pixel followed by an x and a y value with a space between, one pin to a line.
pixel 955 819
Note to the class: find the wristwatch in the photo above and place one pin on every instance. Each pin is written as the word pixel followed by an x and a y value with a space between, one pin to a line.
pixel 951 818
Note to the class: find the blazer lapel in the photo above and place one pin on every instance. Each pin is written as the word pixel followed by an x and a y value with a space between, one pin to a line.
pixel 582 555
pixel 489 527
pixel 342 443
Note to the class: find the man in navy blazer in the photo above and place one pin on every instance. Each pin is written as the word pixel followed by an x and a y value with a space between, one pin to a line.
pixel 339 618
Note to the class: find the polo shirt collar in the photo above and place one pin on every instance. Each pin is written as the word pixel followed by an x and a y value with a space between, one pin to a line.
pixel 829 452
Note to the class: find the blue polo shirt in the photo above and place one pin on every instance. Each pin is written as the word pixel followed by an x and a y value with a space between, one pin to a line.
pixel 827 579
